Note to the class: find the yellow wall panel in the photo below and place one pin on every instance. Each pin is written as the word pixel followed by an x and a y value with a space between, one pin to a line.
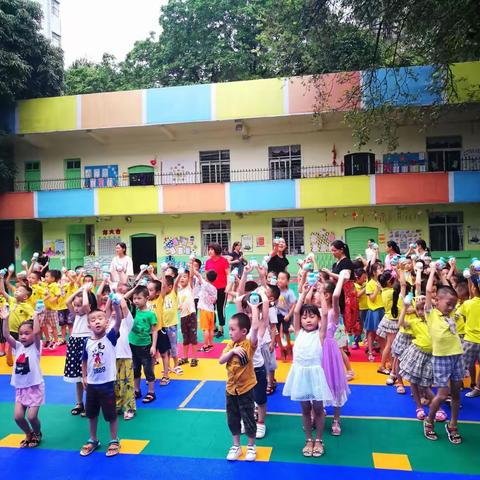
pixel 253 98
pixel 47 114
pixel 127 200
pixel 466 78
pixel 334 192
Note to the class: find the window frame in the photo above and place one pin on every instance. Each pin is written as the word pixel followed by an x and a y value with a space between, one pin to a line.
pixel 285 167
pixel 445 151
pixel 447 225
pixel 289 233
pixel 218 168
pixel 215 235
pixel 55 8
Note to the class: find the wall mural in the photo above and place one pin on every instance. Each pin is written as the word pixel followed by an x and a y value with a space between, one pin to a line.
pixel 320 241
pixel 404 238
pixel 179 245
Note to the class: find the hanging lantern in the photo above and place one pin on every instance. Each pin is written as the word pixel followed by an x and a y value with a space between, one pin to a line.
pixel 354 215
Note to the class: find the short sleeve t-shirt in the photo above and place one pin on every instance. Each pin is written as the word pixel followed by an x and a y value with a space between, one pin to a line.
pixel 278 264
pixel 344 264
pixel 101 359
pixel 26 370
pixel 53 290
pixel 460 319
pixel 421 334
pixel 362 299
pixel 38 292
pixel 121 265
pixel 208 297
pixel 369 289
pixel 19 313
pixel 80 326
pixel 387 299
pixel 186 304
pixel 240 375
pixel 470 310
pixel 156 306
pixel 170 310
pixel 219 265
pixel 285 301
pixel 122 348
pixel 445 339
pixel 142 326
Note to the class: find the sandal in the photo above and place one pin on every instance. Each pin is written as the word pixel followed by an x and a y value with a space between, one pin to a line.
pixel 429 430
pixel 138 394
pixel 318 449
pixel 194 362
pixel 35 440
pixel 383 371
pixel 183 361
pixel 336 430
pixel 164 381
pixel 89 447
pixel 24 443
pixel 440 416
pixel 129 414
pixel 78 409
pixel 420 413
pixel 401 389
pixel 453 435
pixel 270 389
pixel 178 370
pixel 113 448
pixel 308 448
pixel 149 398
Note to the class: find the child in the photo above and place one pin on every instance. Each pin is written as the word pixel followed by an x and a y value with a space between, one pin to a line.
pixel 143 341
pixel 332 361
pixel 306 381
pixel 196 264
pixel 98 376
pixel 50 317
pixel 79 304
pixel 285 308
pixel 206 307
pixel 388 326
pixel 188 318
pixel 241 380
pixel 38 288
pixel 65 319
pixel 375 307
pixel 170 318
pixel 27 378
pixel 360 283
pixel 448 364
pixel 268 350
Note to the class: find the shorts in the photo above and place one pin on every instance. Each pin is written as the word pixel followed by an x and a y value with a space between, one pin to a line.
pixel 269 358
pixel 188 325
pixel 472 353
pixel 65 318
pixel 241 407
pixel 284 324
pixel 172 333
pixel 163 343
pixel 101 396
pixel 450 367
pixel 33 396
pixel 49 319
pixel 260 389
pixel 141 357
pixel 207 320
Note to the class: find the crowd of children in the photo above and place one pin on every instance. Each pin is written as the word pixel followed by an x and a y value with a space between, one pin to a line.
pixel 420 317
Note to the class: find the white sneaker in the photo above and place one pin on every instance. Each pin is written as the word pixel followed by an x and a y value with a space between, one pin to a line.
pixel 234 452
pixel 261 430
pixel 251 454
pixel 242 427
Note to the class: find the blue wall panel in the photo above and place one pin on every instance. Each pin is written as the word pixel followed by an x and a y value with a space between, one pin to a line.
pixel 400 87
pixel 275 195
pixel 179 104
pixel 466 187
pixel 7 118
pixel 66 203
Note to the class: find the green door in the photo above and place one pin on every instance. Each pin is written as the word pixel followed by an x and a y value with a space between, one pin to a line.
pixel 356 238
pixel 32 176
pixel 73 173
pixel 76 249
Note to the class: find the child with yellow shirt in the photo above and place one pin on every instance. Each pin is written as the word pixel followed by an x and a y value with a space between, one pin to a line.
pixel 38 288
pixel 447 351
pixel 170 318
pixel 49 320
pixel 360 284
pixel 65 319
pixel 376 310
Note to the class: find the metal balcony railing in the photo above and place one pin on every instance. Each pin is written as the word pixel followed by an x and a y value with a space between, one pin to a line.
pixel 247 175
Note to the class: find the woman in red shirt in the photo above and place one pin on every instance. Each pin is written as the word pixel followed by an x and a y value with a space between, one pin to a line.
pixel 220 265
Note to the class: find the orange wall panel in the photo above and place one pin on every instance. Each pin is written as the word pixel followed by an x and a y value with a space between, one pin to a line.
pixel 408 188
pixel 194 198
pixel 16 205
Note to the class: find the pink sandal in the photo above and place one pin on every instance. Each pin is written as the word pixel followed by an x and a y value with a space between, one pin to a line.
pixel 420 414
pixel 440 416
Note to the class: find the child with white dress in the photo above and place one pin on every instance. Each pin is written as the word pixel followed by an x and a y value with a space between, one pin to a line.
pixel 306 381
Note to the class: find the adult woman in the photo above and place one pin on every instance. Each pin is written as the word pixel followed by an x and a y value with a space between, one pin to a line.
pixel 421 250
pixel 393 250
pixel 122 266
pixel 371 252
pixel 348 299
pixel 278 261
pixel 236 256
pixel 220 265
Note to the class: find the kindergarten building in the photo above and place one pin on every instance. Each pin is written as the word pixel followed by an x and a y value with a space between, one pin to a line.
pixel 169 170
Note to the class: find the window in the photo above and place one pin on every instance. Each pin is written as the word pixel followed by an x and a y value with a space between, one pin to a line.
pixel 446 231
pixel 285 162
pixel 359 164
pixel 444 153
pixel 90 239
pixel 56 40
pixel 32 166
pixel 215 231
pixel 141 175
pixel 215 166
pixel 291 229
pixel 73 164
pixel 55 8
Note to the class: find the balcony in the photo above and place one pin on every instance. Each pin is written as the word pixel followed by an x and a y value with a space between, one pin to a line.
pixel 247 175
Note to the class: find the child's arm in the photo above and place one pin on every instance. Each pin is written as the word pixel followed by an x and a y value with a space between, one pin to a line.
pixel 6 329
pixel 296 310
pixel 374 294
pixel 2 289
pixel 403 282
pixel 401 319
pixel 303 281
pixel 337 293
pixel 226 356
pixel 100 290
pixel 255 325
pixel 262 272
pixel 154 332
pixel 36 330
pixel 84 374
pixel 322 329
pixel 292 308
pixel 429 289
pixel 243 279
pixel 8 284
pixel 118 316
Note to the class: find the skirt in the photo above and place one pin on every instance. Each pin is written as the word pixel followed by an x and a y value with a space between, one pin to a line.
pixel 306 384
pixel 33 396
pixel 387 326
pixel 372 321
pixel 73 361
pixel 334 369
pixel 416 366
pixel 401 343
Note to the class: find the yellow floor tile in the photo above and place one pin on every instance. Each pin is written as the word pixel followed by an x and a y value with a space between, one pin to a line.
pixel 263 454
pixel 13 440
pixel 391 461
pixel 132 447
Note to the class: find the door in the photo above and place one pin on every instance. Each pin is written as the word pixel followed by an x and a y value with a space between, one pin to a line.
pixel 7 234
pixel 76 249
pixel 32 176
pixel 359 164
pixel 73 173
pixel 141 175
pixel 356 238
pixel 144 250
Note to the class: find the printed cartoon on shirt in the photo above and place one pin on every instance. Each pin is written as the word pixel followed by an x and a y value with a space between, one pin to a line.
pixel 22 365
pixel 98 366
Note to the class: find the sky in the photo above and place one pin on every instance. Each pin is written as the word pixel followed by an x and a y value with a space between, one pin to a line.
pixel 92 27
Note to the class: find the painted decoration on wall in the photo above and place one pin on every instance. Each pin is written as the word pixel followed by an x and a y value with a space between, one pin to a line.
pixel 404 162
pixel 54 248
pixel 100 176
pixel 260 241
pixel 174 173
pixel 320 241
pixel 107 243
pixel 247 243
pixel 179 245
pixel 404 238
pixel 474 235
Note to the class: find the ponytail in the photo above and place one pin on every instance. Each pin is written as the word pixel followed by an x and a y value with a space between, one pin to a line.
pixel 339 245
